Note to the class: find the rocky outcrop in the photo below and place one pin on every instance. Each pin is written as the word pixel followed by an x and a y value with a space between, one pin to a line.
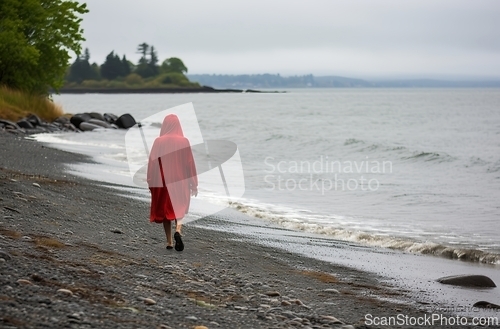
pixel 77 123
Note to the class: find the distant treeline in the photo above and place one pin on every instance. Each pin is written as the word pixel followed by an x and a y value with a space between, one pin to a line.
pixel 119 72
pixel 310 81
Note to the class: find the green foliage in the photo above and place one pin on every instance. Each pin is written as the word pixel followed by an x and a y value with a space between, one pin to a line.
pixel 35 38
pixel 134 79
pixel 121 73
pixel 114 67
pixel 82 70
pixel 173 64
pixel 147 67
pixel 173 78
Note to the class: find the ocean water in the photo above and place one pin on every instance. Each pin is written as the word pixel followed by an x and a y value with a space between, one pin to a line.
pixel 416 170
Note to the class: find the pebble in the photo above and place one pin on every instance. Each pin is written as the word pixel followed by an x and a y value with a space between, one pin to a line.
pixel 164 326
pixel 5 255
pixel 117 231
pixel 36 185
pixel 200 327
pixel 24 282
pixel 192 318
pixel 215 323
pixel 272 293
pixel 332 291
pixel 149 301
pixel 285 303
pixel 66 292
pixel 331 319
pixel 75 316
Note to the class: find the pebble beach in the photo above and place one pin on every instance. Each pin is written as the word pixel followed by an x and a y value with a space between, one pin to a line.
pixel 74 254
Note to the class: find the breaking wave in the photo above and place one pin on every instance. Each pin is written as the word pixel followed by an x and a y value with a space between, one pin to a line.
pixel 370 239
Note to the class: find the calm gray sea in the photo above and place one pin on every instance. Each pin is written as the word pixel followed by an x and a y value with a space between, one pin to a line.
pixel 408 169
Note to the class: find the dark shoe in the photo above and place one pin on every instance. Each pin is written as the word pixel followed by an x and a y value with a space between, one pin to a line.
pixel 179 246
pixel 169 247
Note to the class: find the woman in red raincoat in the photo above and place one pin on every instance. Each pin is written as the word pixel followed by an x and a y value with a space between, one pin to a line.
pixel 172 179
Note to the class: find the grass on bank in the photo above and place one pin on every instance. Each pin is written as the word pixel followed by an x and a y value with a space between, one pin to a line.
pixel 15 105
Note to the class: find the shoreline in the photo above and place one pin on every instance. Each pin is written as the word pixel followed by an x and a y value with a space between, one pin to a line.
pixel 73 234
pixel 177 90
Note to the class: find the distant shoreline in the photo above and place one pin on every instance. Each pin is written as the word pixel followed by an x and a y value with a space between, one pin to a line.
pixel 204 89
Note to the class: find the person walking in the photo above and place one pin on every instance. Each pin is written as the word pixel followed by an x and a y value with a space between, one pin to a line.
pixel 172 179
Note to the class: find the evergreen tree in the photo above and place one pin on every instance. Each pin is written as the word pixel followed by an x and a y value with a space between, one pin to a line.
pixel 147 68
pixel 125 67
pixel 153 61
pixel 112 68
pixel 143 49
pixel 80 70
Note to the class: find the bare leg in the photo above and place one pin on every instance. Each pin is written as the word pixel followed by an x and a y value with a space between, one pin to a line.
pixel 178 225
pixel 167 226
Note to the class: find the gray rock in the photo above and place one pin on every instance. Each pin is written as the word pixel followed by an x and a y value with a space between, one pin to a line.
pixel 483 304
pixel 332 291
pixel 5 255
pixel 272 293
pixel 479 281
pixel 192 318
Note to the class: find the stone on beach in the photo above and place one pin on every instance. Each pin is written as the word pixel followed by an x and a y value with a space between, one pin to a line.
pixel 24 282
pixel 479 281
pixel 66 292
pixel 149 301
pixel 483 304
pixel 78 122
pixel 332 291
pixel 272 293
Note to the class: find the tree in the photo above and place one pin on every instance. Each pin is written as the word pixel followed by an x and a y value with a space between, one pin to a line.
pixel 81 69
pixel 36 37
pixel 143 49
pixel 153 61
pixel 112 68
pixel 126 69
pixel 147 68
pixel 173 65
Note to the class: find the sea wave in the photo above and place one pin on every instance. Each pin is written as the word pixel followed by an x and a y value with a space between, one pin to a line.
pixel 402 152
pixel 371 239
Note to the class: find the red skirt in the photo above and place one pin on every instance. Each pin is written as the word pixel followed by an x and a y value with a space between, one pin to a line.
pixel 162 207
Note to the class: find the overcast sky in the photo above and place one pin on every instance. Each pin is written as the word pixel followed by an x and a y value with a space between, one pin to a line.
pixel 365 39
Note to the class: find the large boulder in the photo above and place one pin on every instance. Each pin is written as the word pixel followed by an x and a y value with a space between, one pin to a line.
pixel 78 118
pixel 62 120
pixel 87 126
pixel 483 304
pixel 10 125
pixel 477 281
pixel 25 124
pixel 34 120
pixel 125 121
pixel 100 123
pixel 110 118
pixel 95 115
